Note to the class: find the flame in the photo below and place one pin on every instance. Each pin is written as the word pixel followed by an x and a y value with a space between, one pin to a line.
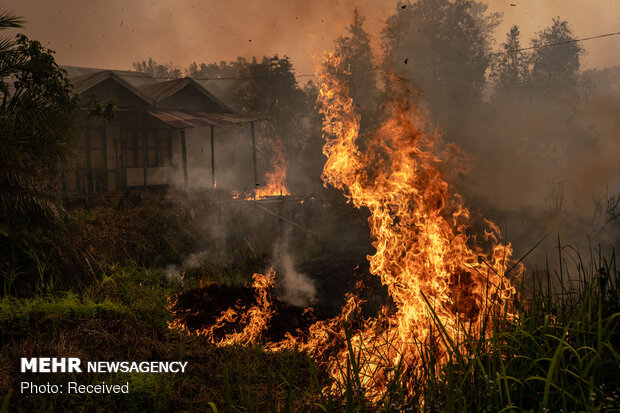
pixel 256 318
pixel 433 271
pixel 275 185
pixel 446 285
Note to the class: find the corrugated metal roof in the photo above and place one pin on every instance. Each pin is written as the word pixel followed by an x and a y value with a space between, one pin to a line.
pixel 87 81
pixel 163 89
pixel 135 79
pixel 192 119
pixel 141 79
pixel 153 90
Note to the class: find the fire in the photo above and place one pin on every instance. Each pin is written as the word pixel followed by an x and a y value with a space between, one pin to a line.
pixel 445 284
pixel 275 185
pixel 256 318
pixel 437 277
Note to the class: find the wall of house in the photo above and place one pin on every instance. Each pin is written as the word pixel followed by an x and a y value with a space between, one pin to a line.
pixel 112 158
pixel 171 175
pixel 233 158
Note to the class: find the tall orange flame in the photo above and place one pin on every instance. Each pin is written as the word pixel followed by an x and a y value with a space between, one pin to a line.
pixel 423 253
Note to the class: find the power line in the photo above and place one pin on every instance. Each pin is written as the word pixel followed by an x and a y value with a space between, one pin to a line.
pixel 147 76
pixel 570 41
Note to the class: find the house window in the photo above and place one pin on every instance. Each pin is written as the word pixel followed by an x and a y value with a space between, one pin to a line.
pixel 160 147
pixel 90 170
pixel 132 148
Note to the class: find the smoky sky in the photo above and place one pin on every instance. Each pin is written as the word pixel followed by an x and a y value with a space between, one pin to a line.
pixel 116 33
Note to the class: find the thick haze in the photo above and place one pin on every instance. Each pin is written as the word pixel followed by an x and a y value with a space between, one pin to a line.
pixel 544 157
pixel 116 33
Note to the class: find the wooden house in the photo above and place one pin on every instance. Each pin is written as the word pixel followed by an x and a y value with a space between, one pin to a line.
pixel 166 133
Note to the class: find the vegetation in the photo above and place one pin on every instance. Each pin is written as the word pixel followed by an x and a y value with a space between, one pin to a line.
pixel 94 280
pixel 37 112
pixel 559 353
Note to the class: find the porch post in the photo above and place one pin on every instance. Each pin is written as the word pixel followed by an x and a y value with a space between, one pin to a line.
pixel 184 155
pixel 145 155
pixel 254 154
pixel 212 158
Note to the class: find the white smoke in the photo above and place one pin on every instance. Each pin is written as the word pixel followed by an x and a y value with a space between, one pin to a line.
pixel 298 289
pixel 173 272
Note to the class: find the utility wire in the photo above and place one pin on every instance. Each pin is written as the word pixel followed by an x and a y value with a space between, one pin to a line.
pixel 542 46
pixel 569 41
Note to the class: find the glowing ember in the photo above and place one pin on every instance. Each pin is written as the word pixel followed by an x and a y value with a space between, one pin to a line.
pixel 275 185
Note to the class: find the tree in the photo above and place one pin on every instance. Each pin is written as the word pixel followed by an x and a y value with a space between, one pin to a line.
pixel 512 70
pixel 267 88
pixel 37 118
pixel 443 47
pixel 157 70
pixel 555 91
pixel 229 81
pixel 361 77
pixel 37 115
pixel 556 59
pixel 274 94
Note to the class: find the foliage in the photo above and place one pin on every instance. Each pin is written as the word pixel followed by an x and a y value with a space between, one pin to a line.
pixel 142 229
pixel 511 70
pixel 158 70
pixel 442 46
pixel 556 68
pixel 37 114
pixel 361 77
pixel 36 128
pixel 559 353
pixel 267 88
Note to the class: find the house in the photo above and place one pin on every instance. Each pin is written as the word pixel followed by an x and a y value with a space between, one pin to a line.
pixel 166 133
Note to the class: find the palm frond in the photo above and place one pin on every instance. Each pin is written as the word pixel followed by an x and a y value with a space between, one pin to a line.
pixel 10 20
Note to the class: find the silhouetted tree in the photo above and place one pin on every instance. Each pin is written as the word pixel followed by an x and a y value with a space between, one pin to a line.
pixel 511 70
pixel 37 118
pixel 274 94
pixel 157 69
pixel 37 114
pixel 229 81
pixel 444 47
pixel 268 88
pixel 361 76
pixel 556 59
pixel 554 89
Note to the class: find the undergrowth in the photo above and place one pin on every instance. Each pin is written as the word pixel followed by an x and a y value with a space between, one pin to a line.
pixel 559 354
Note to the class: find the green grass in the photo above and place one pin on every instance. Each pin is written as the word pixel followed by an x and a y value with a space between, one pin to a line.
pixel 559 354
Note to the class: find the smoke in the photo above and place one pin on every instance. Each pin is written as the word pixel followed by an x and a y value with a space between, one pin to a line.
pixel 297 289
pixel 541 140
pixel 540 163
pixel 173 272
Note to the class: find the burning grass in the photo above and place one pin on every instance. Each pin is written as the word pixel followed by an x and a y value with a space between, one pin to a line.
pixel 455 335
pixel 559 352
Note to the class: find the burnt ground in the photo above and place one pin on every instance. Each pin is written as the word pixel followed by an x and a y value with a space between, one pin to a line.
pixel 199 308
